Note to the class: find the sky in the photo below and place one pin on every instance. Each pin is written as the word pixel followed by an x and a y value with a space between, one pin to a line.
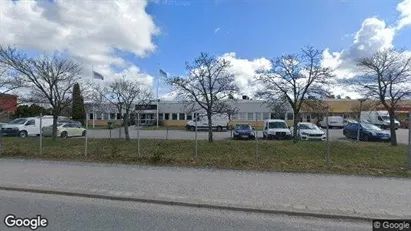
pixel 136 37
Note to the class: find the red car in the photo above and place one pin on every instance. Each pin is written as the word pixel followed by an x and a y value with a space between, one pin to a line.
pixel 404 123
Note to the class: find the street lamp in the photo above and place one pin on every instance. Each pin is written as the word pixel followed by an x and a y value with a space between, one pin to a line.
pixel 359 118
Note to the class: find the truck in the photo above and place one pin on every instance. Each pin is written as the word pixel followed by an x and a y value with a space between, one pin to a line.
pixel 378 118
pixel 24 127
pixel 219 123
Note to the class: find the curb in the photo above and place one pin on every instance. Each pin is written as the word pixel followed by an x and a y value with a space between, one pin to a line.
pixel 195 205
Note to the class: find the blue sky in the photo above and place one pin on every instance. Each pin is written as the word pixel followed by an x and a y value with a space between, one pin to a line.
pixel 122 37
pixel 256 29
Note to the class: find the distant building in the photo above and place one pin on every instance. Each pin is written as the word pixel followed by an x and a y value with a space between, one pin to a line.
pixel 8 106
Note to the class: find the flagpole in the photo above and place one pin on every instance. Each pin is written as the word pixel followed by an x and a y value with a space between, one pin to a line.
pixel 92 83
pixel 158 82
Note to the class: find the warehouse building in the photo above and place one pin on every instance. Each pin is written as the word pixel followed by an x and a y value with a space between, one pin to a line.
pixel 175 113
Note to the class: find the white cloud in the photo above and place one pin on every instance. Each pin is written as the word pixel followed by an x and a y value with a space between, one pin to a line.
pixel 245 71
pixel 90 31
pixel 405 12
pixel 216 30
pixel 374 35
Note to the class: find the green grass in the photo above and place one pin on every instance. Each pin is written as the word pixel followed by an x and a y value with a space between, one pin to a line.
pixel 376 159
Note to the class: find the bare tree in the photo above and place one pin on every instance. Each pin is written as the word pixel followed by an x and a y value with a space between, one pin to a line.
pixel 208 85
pixel 366 106
pixel 50 78
pixel 128 96
pixel 387 78
pixel 295 77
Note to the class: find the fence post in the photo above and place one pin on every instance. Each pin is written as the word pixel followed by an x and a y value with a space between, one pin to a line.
pixel 409 140
pixel 85 138
pixel 256 139
pixel 196 146
pixel 166 132
pixel 111 128
pixel 1 138
pixel 138 134
pixel 328 141
pixel 41 133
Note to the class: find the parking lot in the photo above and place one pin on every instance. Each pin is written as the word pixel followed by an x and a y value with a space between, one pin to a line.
pixel 334 134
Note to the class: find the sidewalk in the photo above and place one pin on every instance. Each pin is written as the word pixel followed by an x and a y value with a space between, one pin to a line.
pixel 305 193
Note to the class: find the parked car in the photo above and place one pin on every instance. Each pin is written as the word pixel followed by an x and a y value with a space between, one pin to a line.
pixel 349 121
pixel 243 131
pixel 78 123
pixel 219 123
pixel 404 123
pixel 24 127
pixel 276 129
pixel 65 130
pixel 333 122
pixel 309 131
pixel 368 132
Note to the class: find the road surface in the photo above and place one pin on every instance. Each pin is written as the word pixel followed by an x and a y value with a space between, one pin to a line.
pixel 74 213
pixel 314 193
pixel 335 134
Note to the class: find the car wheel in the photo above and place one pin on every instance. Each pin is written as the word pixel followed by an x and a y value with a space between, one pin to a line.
pixel 366 138
pixel 84 133
pixel 63 135
pixel 219 129
pixel 23 134
pixel 270 137
pixel 192 128
pixel 264 136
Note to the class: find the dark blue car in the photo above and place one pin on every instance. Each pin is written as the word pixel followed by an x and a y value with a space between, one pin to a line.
pixel 243 131
pixel 368 132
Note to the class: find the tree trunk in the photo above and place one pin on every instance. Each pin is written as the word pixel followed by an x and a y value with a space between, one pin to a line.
pixel 392 129
pixel 54 130
pixel 210 127
pixel 295 124
pixel 125 121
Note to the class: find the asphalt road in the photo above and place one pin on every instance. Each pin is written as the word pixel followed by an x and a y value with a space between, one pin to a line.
pixel 74 213
pixel 334 134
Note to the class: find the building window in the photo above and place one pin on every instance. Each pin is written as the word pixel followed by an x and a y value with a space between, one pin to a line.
pixel 266 115
pixel 174 116
pixel 242 116
pixel 234 117
pixel 119 116
pixel 166 116
pixel 290 116
pixel 258 116
pixel 105 116
pixel 181 116
pixel 112 116
pixel 98 116
pixel 189 116
pixel 250 116
pixel 90 116
pixel 308 118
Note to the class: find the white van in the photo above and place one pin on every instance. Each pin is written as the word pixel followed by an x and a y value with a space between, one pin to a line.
pixel 24 127
pixel 333 122
pixel 220 122
pixel 378 118
pixel 276 129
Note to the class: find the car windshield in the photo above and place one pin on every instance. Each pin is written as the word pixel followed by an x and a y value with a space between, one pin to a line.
pixel 18 121
pixel 277 125
pixel 385 117
pixel 242 126
pixel 308 126
pixel 370 126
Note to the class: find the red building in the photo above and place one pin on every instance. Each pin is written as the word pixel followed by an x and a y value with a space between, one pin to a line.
pixel 8 106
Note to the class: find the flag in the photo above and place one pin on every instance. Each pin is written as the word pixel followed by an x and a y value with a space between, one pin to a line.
pixel 163 73
pixel 97 75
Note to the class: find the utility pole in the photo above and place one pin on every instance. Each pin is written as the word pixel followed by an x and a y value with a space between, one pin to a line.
pixel 359 119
